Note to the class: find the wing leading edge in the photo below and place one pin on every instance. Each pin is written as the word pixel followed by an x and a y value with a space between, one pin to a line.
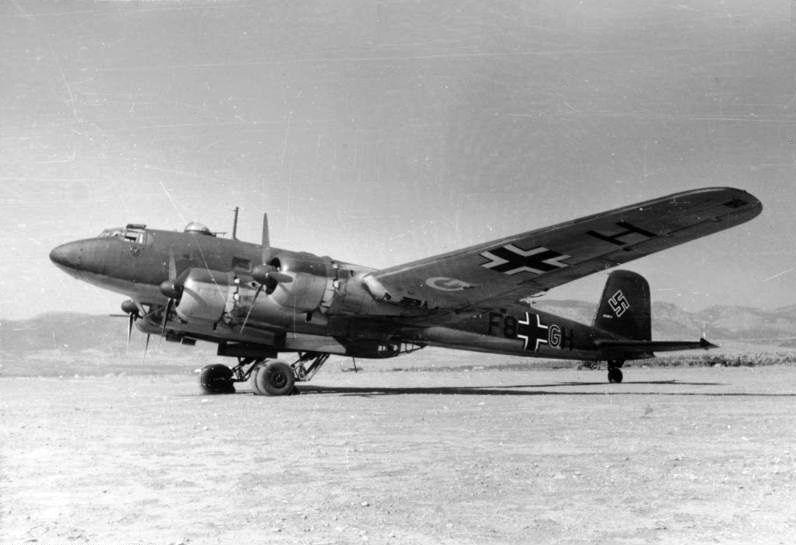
pixel 507 270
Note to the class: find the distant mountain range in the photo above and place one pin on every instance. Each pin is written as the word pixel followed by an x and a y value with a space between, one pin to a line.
pixel 717 322
pixel 73 332
pixel 68 332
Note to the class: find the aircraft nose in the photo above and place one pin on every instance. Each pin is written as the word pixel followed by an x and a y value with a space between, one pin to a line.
pixel 67 255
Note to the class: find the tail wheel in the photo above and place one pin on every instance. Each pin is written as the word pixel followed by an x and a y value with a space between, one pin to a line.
pixel 614 375
pixel 274 379
pixel 216 379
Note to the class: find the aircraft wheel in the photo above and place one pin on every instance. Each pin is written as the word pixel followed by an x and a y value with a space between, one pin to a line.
pixel 614 375
pixel 274 379
pixel 216 379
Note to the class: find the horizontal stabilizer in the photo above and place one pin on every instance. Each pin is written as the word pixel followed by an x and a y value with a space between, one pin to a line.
pixel 626 348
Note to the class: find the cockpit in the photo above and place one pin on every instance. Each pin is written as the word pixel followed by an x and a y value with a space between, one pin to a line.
pixel 132 233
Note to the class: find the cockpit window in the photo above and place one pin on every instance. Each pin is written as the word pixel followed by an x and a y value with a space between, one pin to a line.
pixel 130 235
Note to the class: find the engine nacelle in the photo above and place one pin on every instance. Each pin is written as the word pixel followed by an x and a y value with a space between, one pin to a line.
pixel 231 298
pixel 206 295
pixel 216 297
pixel 312 281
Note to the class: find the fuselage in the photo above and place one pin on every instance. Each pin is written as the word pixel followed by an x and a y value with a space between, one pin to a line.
pixel 327 306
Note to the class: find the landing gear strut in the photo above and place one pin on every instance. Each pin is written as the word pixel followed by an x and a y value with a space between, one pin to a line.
pixel 614 371
pixel 274 378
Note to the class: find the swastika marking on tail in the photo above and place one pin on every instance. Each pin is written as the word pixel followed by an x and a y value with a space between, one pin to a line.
pixel 618 303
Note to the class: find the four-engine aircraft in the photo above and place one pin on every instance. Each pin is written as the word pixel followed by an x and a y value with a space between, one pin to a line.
pixel 256 301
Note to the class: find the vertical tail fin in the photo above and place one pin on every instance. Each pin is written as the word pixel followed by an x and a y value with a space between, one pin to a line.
pixel 624 308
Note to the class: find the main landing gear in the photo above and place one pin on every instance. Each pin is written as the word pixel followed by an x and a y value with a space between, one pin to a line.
pixel 615 371
pixel 274 378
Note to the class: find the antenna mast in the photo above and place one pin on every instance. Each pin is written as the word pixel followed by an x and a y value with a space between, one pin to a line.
pixel 235 225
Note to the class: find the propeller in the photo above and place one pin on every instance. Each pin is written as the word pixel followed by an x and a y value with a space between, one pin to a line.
pixel 267 276
pixel 133 310
pixel 171 288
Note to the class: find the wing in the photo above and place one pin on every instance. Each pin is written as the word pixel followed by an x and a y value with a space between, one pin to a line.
pixel 507 270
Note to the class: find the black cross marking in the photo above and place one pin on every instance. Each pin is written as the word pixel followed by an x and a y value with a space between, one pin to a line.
pixel 510 259
pixel 616 238
pixel 531 330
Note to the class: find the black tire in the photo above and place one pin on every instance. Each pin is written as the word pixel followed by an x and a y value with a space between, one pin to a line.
pixel 216 379
pixel 614 375
pixel 274 379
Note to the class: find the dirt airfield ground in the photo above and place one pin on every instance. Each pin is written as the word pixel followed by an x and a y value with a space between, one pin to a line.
pixel 489 455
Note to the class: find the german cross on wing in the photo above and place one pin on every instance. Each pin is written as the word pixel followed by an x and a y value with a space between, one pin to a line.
pixel 510 259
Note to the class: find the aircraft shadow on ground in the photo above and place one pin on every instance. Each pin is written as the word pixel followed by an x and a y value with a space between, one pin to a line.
pixel 511 390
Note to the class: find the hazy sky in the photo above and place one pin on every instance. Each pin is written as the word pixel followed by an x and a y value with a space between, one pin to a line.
pixel 380 132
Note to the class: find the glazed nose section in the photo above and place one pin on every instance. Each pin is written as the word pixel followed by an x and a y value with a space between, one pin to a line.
pixel 67 256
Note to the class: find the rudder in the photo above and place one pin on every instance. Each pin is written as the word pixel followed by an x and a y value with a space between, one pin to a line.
pixel 624 308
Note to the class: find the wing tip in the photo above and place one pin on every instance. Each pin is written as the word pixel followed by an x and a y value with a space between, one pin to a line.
pixel 741 206
pixel 736 198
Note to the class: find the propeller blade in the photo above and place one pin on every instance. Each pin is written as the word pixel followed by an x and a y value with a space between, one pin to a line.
pixel 254 300
pixel 130 328
pixel 166 311
pixel 280 277
pixel 172 267
pixel 266 236
pixel 146 346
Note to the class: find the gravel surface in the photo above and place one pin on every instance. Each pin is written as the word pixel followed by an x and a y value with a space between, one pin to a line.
pixel 487 456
